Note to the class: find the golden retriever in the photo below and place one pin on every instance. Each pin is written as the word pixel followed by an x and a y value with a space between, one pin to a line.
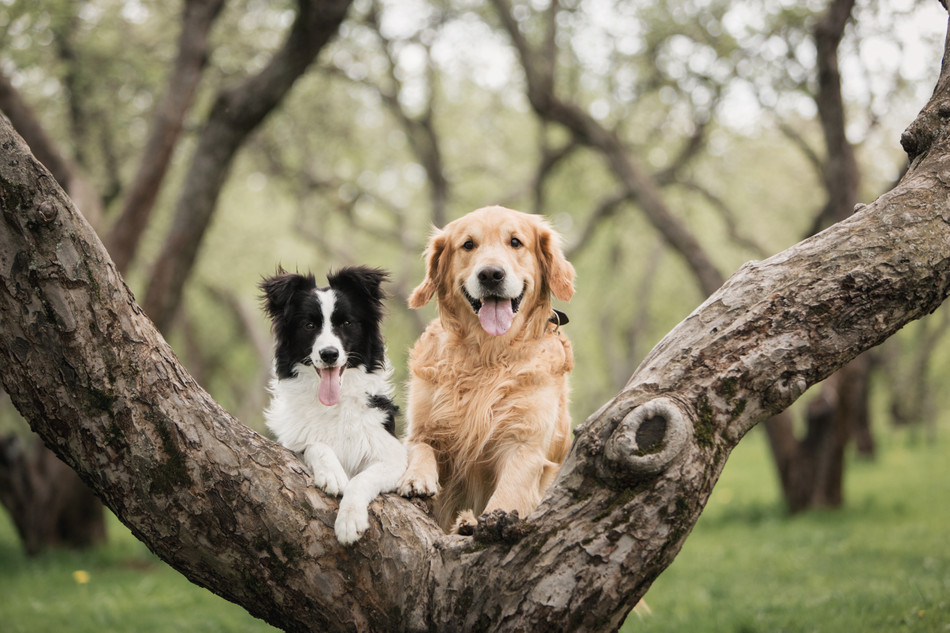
pixel 488 420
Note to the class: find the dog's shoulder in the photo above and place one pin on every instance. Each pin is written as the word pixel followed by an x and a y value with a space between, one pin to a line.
pixel 430 349
pixel 434 334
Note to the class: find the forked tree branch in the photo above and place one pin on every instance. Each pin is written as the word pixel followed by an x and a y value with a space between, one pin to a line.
pixel 237 514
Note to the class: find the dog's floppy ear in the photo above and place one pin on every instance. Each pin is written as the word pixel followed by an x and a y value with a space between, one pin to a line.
pixel 424 291
pixel 558 272
pixel 279 289
pixel 363 281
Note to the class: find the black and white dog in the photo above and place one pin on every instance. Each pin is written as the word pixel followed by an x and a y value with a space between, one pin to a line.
pixel 331 394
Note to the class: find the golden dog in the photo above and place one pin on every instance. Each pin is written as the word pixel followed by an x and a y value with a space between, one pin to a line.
pixel 488 420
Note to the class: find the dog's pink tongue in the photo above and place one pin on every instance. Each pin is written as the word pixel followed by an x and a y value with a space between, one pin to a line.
pixel 330 380
pixel 496 315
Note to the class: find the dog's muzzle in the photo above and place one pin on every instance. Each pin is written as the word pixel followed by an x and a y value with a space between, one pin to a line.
pixel 495 313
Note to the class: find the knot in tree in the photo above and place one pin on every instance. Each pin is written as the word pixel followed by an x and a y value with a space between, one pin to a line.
pixel 649 437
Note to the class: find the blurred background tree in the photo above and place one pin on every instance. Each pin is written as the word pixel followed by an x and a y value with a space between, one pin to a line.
pixel 680 139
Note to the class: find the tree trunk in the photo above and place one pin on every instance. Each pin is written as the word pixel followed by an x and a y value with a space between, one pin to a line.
pixel 67 173
pixel 635 180
pixel 167 122
pixel 811 470
pixel 911 386
pixel 48 502
pixel 236 113
pixel 236 513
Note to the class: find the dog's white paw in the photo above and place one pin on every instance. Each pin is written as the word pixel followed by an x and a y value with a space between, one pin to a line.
pixel 330 478
pixel 418 485
pixel 351 522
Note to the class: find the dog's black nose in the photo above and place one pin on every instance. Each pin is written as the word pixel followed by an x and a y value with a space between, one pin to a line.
pixel 329 354
pixel 491 276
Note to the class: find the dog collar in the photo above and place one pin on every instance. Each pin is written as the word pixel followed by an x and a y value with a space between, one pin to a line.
pixel 559 318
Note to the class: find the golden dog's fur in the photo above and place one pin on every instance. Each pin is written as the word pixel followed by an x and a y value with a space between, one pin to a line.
pixel 488 420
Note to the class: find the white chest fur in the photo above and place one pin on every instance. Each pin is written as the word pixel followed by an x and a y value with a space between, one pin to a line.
pixel 352 428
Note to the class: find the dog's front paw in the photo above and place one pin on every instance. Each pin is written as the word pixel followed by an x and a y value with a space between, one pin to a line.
pixel 351 522
pixel 414 484
pixel 465 523
pixel 331 480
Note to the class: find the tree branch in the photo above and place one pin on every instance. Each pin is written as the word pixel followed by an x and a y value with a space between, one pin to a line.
pixel 420 130
pixel 548 161
pixel 236 513
pixel 629 172
pixel 67 173
pixel 235 114
pixel 167 123
pixel 841 173
pixel 728 218
pixel 606 208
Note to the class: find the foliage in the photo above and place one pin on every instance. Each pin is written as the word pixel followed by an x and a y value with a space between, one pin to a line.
pixel 336 176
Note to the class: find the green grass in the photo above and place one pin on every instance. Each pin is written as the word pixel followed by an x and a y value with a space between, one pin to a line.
pixel 881 564
pixel 128 590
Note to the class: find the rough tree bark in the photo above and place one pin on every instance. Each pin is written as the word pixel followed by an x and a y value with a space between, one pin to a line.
pixel 49 504
pixel 65 170
pixel 811 469
pixel 235 512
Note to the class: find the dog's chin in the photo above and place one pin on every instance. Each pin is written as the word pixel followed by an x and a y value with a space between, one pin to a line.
pixel 495 313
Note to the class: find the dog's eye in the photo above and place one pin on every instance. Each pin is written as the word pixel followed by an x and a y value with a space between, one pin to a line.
pixel 516 243
pixel 468 245
pixel 310 325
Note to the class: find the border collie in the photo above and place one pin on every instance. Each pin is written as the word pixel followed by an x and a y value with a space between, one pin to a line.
pixel 331 394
